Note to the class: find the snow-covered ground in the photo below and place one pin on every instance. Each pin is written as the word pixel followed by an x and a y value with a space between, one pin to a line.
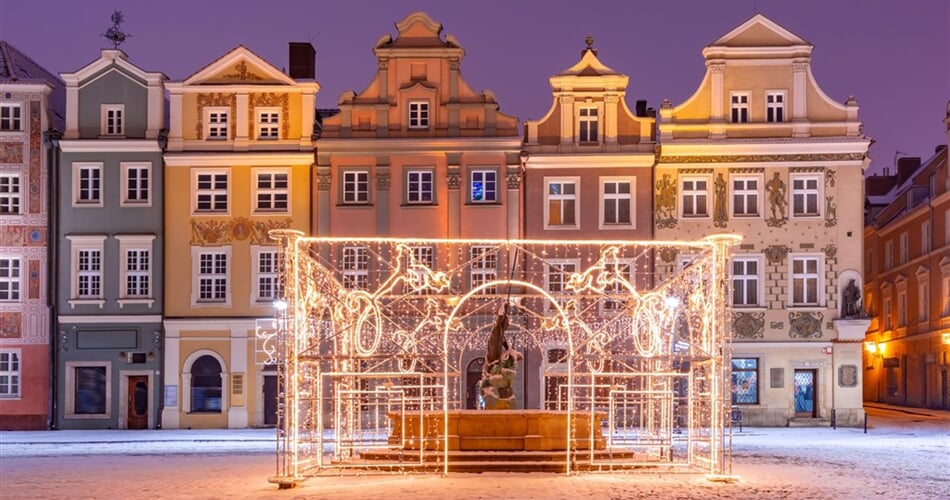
pixel 904 455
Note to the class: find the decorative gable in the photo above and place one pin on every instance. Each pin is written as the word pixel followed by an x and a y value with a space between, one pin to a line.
pixel 760 31
pixel 239 66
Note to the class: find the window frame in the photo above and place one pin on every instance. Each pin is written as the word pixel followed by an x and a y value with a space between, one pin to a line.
pixel 888 254
pixel 606 306
pixel 775 107
pixel 494 191
pixel 273 191
pixel 71 388
pixel 196 276
pixel 423 255
pixel 739 106
pixel 354 267
pixel 11 193
pixel 136 243
pixel 77 245
pixel 266 129
pixel 419 114
pixel 11 275
pixel 575 197
pixel 222 387
pixel 105 128
pixel 556 267
pixel 96 171
pixel 416 196
pixel 903 250
pixel 805 191
pixel 259 274
pixel 217 126
pixel 683 179
pixel 745 370
pixel 923 297
pixel 127 168
pixel 481 258
pixel 213 191
pixel 356 182
pixel 588 125
pixel 13 122
pixel 746 193
pixel 758 278
pixel 630 197
pixel 11 378
pixel 926 237
pixel 818 277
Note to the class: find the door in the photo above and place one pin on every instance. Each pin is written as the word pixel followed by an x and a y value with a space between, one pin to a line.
pixel 473 393
pixel 805 393
pixel 138 402
pixel 270 399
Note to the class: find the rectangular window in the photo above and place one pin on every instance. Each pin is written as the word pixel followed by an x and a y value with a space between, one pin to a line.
pixel 745 196
pixel 268 124
pixel 10 117
pixel 216 124
pixel 137 181
pixel 805 280
pixel 740 107
pixel 212 277
pixel 775 106
pixel 616 202
pixel 419 186
pixel 355 267
pixel 620 269
pixel 9 374
pixel 923 301
pixel 745 281
pixel 745 381
pixel 805 195
pixel 418 114
pixel 926 237
pixel 562 203
pixel 90 387
pixel 484 267
pixel 267 270
pixel 904 248
pixel 423 256
pixel 11 197
pixel 137 272
pixel 887 313
pixel 211 191
pixel 557 276
pixel 356 187
pixel 484 186
pixel 89 274
pixel 113 119
pixel 87 184
pixel 271 192
pixel 587 125
pixel 901 309
pixel 695 193
pixel 888 254
pixel 10 278
pixel 945 309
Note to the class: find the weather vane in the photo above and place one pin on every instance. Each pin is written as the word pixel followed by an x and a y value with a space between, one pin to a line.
pixel 114 33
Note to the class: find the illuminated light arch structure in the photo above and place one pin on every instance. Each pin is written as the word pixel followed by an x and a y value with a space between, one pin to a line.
pixel 374 335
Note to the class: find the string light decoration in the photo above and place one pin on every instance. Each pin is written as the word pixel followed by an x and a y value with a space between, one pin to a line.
pixel 374 340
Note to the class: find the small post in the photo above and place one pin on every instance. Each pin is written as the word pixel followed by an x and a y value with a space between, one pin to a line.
pixel 834 419
pixel 865 422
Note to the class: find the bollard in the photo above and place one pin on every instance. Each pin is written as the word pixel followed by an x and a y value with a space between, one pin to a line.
pixel 865 422
pixel 834 419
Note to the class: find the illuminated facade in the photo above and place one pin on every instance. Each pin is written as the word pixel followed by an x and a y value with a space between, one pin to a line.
pixel 237 165
pixel 759 150
pixel 907 352
pixel 31 103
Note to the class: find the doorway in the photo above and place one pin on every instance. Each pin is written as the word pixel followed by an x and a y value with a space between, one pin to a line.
pixel 270 400
pixel 137 402
pixel 805 394
pixel 473 375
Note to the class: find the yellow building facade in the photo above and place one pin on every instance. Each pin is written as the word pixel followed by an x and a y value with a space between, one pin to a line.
pixel 237 165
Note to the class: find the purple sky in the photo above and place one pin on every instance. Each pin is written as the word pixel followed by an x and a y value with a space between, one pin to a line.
pixel 894 56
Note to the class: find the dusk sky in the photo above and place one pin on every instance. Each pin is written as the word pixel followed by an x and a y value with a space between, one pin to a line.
pixel 894 56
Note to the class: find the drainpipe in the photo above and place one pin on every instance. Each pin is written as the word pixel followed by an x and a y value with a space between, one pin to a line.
pixel 51 143
pixel 160 379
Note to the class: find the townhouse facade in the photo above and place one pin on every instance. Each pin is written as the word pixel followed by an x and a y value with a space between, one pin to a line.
pixel 760 150
pixel 31 116
pixel 109 232
pixel 237 165
pixel 907 264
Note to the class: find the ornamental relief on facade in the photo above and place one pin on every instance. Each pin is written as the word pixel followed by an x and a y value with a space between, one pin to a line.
pixel 826 157
pixel 215 99
pixel 830 178
pixel 805 325
pixel 10 325
pixel 776 254
pixel 324 181
pixel 216 231
pixel 830 250
pixel 35 181
pixel 241 73
pixel 720 215
pixel 270 99
pixel 665 202
pixel 383 178
pixel 778 206
pixel 513 179
pixel 748 325
pixel 831 212
pixel 11 152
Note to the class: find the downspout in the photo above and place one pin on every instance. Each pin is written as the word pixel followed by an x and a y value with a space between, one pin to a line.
pixel 160 407
pixel 51 143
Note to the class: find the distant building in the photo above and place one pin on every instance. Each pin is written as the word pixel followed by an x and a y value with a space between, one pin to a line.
pixel 31 117
pixel 109 233
pixel 761 151
pixel 907 293
pixel 238 164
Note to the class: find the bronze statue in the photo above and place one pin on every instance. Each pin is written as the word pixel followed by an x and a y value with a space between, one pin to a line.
pixel 500 368
pixel 850 298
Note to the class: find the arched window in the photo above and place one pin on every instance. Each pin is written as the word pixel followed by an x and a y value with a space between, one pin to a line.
pixel 206 385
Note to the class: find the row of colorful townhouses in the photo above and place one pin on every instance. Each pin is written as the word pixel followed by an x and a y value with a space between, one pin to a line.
pixel 135 211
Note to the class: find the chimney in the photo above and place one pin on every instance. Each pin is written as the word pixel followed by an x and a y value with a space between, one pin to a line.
pixel 641 109
pixel 303 61
pixel 906 167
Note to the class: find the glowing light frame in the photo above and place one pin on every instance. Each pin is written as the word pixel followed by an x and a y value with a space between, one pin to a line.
pixel 332 340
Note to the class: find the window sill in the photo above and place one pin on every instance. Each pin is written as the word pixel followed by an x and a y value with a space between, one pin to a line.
pixel 211 213
pixel 124 302
pixel 614 227
pixel 805 307
pixel 354 205
pixel 87 302
pixel 483 204
pixel 419 205
pixel 111 136
pixel 97 204
pixel 265 213
pixel 208 303
pixel 136 204
pixel 755 308
pixel 87 416
pixel 562 228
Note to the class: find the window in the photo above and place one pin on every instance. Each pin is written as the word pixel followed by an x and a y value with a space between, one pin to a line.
pixel 86 261
pixel 901 308
pixel 90 384
pixel 113 119
pixel 587 125
pixel 923 299
pixel 888 254
pixel 745 381
pixel 267 271
pixel 421 256
pixel 356 187
pixel 622 270
pixel 616 207
pixel 10 273
pixel 87 184
pixel 557 274
pixel 805 280
pixel 419 186
pixel 888 320
pixel 745 281
pixel 212 277
pixel 11 198
pixel 10 117
pixel 271 192
pixel 805 196
pixel 484 267
pixel 211 191
pixel 355 267
pixel 775 106
pixel 904 248
pixel 136 179
pixel 216 124
pixel 740 107
pixel 945 309
pixel 135 271
pixel 484 186
pixel 418 114
pixel 206 385
pixel 268 124
pixel 9 373
pixel 745 196
pixel 926 237
pixel 695 195
pixel 561 203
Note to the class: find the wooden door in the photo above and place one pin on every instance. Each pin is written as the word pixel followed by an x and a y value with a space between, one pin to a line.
pixel 138 402
pixel 270 400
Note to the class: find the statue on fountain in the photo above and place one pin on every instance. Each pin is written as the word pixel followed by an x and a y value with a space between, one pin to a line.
pixel 500 368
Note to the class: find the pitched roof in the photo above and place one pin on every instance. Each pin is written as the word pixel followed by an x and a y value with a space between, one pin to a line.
pixel 17 67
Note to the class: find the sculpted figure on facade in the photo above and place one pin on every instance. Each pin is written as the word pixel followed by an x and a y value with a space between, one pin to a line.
pixel 665 202
pixel 777 205
pixel 851 301
pixel 721 217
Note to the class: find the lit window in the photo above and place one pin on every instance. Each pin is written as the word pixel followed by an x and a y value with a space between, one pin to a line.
pixel 805 280
pixel 587 125
pixel 271 192
pixel 923 300
pixel 419 186
pixel 10 277
pixel 418 114
pixel 212 277
pixel 901 308
pixel 355 267
pixel 356 187
pixel 10 117
pixel 9 374
pixel 745 381
pixel 695 193
pixel 740 107
pixel 745 196
pixel 805 195
pixel 775 106
pixel 137 182
pixel 211 191
pixel 484 186
pixel 616 202
pixel 216 124
pixel 268 124
pixel 11 197
pixel 745 281
pixel 484 267
pixel 113 119
pixel 904 250
pixel 561 203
